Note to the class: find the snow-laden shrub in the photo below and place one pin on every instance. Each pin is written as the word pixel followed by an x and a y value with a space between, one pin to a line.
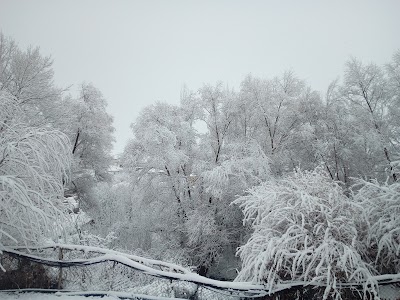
pixel 34 163
pixel 381 243
pixel 304 230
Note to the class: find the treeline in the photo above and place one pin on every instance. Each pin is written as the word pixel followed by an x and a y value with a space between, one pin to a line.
pixel 315 175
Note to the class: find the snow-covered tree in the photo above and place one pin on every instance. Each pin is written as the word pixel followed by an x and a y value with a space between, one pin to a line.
pixel 366 91
pixel 7 52
pixel 217 114
pixel 333 138
pixel 356 135
pixel 281 119
pixel 91 133
pixel 393 73
pixel 162 146
pixel 190 176
pixel 304 230
pixel 158 161
pixel 28 76
pixel 34 164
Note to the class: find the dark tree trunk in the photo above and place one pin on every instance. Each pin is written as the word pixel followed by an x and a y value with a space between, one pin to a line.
pixel 76 141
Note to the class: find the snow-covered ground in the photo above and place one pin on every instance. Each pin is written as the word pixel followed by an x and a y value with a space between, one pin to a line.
pixel 39 296
pixel 73 296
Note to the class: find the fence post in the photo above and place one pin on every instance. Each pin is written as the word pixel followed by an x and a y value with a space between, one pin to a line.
pixel 60 257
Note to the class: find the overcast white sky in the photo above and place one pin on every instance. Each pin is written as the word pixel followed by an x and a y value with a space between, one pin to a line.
pixel 140 52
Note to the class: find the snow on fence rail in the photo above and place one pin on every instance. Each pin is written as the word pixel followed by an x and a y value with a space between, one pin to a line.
pixel 101 294
pixel 170 271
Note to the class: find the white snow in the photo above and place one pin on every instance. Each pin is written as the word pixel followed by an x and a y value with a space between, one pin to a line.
pixel 39 296
pixel 76 296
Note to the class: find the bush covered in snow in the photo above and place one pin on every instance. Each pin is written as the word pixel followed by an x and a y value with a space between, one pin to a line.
pixel 305 229
pixel 381 235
